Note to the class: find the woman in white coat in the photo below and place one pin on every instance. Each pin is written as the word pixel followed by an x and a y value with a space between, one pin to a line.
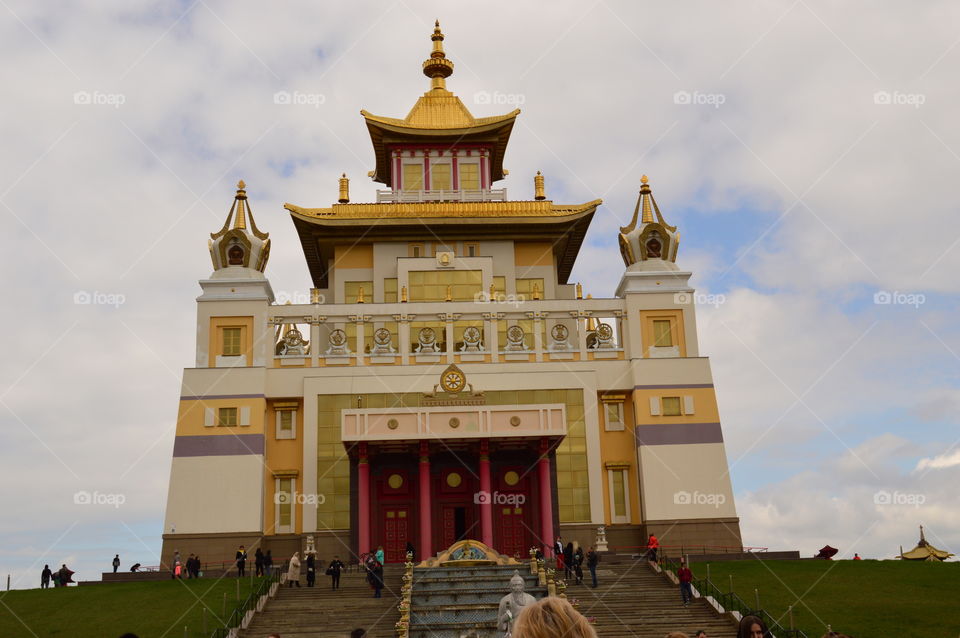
pixel 293 572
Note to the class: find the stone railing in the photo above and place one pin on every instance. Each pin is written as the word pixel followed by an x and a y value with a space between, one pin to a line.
pixel 451 332
pixel 459 195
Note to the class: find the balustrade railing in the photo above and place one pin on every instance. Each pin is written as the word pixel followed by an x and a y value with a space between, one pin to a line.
pixel 390 196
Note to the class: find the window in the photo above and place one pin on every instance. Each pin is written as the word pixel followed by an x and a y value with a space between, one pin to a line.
pixel 662 333
pixel 227 417
pixel 613 416
pixel 286 423
pixel 351 291
pixel 231 342
pixel 526 287
pixel 471 250
pixel 285 494
pixel 390 290
pixel 412 177
pixel 470 176
pixel 617 481
pixel 415 250
pixel 671 406
pixel 440 177
pixel 431 285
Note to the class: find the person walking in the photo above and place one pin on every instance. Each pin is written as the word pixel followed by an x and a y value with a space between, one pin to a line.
pixel 311 570
pixel 45 577
pixel 652 546
pixel 593 559
pixel 116 563
pixel 379 555
pixel 65 576
pixel 568 560
pixel 685 576
pixel 558 551
pixel 268 563
pixel 293 571
pixel 578 563
pixel 176 561
pixel 258 562
pixel 241 561
pixel 377 579
pixel 333 571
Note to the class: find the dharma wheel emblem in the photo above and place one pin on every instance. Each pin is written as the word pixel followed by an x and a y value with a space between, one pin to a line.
pixel 453 379
pixel 338 337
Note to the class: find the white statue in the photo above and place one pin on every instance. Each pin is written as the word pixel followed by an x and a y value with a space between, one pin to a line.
pixel 601 544
pixel 311 548
pixel 512 604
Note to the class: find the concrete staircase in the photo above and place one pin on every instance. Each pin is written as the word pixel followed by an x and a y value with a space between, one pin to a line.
pixel 452 602
pixel 633 601
pixel 318 612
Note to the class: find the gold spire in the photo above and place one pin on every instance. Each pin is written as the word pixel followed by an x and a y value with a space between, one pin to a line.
pixel 647 210
pixel 437 67
pixel 344 189
pixel 240 221
pixel 538 191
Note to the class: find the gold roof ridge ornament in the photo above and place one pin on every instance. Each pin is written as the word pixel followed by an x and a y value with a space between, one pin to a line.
pixel 648 235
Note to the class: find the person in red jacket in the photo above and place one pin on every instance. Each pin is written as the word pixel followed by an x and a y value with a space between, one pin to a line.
pixel 686 582
pixel 652 545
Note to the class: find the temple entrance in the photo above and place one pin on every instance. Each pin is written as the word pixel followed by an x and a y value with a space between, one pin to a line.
pixel 453 524
pixel 396 532
pixel 512 532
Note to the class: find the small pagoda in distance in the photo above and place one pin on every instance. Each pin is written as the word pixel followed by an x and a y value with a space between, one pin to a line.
pixel 924 551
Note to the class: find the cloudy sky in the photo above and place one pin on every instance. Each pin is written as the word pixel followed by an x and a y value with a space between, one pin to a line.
pixel 807 150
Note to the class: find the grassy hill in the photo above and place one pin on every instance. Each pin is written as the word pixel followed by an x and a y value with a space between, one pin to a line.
pixel 865 599
pixel 151 610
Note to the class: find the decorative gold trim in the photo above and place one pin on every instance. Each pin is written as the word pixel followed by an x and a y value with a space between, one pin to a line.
pixel 544 208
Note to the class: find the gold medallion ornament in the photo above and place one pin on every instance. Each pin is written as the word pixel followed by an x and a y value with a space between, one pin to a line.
pixel 453 379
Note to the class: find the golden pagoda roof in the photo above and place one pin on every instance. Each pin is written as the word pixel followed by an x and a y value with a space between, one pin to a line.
pixel 924 551
pixel 518 211
pixel 437 116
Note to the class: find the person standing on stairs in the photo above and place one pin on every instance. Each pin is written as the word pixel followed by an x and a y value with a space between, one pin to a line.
pixel 379 555
pixel 333 571
pixel 652 546
pixel 293 572
pixel 593 559
pixel 258 562
pixel 377 579
pixel 568 560
pixel 685 576
pixel 311 570
pixel 241 562
pixel 578 563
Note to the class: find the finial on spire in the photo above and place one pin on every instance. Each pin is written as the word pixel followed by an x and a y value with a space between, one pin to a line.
pixel 344 189
pixel 241 185
pixel 538 190
pixel 437 67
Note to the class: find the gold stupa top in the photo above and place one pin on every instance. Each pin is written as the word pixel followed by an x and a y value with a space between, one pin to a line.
pixel 437 115
pixel 648 235
pixel 239 242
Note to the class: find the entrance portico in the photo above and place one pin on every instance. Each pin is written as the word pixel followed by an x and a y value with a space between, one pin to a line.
pixel 471 472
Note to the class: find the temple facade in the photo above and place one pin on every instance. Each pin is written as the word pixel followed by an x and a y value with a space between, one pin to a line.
pixel 446 380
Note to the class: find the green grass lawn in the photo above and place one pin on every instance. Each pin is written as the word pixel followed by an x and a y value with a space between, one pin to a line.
pixel 150 610
pixel 865 599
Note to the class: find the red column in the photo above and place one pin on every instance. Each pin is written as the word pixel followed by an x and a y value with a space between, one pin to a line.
pixel 426 526
pixel 546 498
pixel 363 487
pixel 486 507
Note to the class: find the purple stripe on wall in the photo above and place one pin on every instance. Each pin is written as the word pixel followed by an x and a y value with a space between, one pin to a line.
pixel 223 396
pixel 676 385
pixel 218 445
pixel 679 434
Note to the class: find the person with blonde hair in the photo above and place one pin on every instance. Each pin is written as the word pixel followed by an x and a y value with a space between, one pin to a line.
pixel 549 618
